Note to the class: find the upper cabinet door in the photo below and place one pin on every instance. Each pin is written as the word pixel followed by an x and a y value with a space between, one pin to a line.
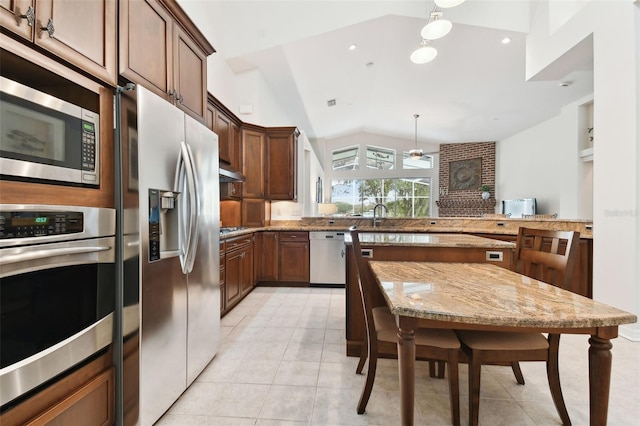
pixel 281 164
pixel 146 45
pixel 18 16
pixel 82 33
pixel 253 163
pixel 190 72
pixel 225 135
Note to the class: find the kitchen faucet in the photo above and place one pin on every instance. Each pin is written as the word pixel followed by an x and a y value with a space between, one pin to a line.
pixel 374 213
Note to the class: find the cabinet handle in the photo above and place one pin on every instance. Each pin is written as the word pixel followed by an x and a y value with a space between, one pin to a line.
pixel 30 16
pixel 173 94
pixel 293 236
pixel 180 99
pixel 50 29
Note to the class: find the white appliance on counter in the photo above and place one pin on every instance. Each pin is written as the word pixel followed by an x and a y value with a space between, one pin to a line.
pixel 170 243
pixel 516 208
pixel 327 259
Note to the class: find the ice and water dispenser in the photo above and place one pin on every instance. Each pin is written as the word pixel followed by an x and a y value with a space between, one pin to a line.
pixel 163 224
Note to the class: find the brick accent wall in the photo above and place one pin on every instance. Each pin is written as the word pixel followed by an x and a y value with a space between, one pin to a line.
pixel 467 202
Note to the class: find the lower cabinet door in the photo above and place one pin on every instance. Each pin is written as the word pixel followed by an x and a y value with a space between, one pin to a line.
pixel 91 405
pixel 294 261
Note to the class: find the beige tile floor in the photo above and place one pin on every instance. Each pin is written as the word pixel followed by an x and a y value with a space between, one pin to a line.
pixel 282 362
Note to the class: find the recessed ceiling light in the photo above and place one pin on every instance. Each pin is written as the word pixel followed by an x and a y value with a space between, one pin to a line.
pixel 506 40
pixel 352 47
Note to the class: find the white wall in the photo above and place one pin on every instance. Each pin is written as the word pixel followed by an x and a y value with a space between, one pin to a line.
pixel 543 162
pixel 616 179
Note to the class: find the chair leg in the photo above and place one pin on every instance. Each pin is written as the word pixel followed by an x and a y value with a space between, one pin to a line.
pixel 368 385
pixel 363 355
pixel 475 366
pixel 515 366
pixel 553 375
pixel 441 369
pixel 454 387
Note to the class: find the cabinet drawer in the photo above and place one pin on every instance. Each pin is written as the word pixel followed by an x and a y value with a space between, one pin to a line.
pixel 238 242
pixel 294 236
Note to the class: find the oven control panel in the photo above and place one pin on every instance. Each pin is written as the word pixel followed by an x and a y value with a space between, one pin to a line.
pixel 25 224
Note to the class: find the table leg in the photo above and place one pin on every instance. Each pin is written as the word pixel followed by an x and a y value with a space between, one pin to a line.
pixel 599 379
pixel 407 362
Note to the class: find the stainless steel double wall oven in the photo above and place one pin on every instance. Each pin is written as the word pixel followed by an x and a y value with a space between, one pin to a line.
pixel 57 287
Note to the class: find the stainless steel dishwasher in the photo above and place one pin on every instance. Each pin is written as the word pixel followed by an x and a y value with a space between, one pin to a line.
pixel 327 259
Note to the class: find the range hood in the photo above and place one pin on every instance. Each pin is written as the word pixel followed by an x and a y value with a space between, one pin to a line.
pixel 227 174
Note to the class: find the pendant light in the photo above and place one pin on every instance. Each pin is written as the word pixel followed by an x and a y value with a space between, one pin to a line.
pixel 424 53
pixel 436 27
pixel 448 3
pixel 416 154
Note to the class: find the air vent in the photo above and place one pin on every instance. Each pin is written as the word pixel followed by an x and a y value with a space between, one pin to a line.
pixel 331 102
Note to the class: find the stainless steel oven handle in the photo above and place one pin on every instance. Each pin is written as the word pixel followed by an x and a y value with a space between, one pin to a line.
pixel 43 254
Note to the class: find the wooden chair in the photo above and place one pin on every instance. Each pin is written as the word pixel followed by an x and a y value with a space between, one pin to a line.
pixel 547 256
pixel 382 331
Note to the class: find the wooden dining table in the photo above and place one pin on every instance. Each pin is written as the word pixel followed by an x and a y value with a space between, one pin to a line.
pixel 482 296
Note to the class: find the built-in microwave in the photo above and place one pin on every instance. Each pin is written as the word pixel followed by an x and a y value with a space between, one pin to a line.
pixel 46 138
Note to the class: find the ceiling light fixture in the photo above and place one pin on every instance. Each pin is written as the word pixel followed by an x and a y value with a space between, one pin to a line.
pixel 424 53
pixel 448 3
pixel 436 28
pixel 416 154
pixel 352 47
pixel 506 40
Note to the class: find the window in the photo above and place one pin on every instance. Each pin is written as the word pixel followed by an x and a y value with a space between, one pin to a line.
pixel 404 197
pixel 424 162
pixel 380 158
pixel 345 159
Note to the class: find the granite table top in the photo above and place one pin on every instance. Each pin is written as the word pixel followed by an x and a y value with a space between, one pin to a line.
pixel 486 294
pixel 428 240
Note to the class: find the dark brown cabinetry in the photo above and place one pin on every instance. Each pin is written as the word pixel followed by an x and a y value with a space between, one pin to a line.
pixel 227 127
pixel 85 396
pixel 293 257
pixel 253 151
pixel 281 163
pixel 268 256
pixel 254 212
pixel 162 49
pixel 223 286
pixel 238 269
pixel 284 257
pixel 82 33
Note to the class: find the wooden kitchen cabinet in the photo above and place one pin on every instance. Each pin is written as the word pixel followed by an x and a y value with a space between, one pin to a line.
pixel 284 257
pixel 161 49
pixel 253 152
pixel 81 33
pixel 281 163
pixel 254 212
pixel 85 396
pixel 268 256
pixel 223 293
pixel 293 257
pixel 238 269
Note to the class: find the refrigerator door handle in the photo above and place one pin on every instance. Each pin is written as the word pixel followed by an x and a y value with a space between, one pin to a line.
pixel 194 209
pixel 184 172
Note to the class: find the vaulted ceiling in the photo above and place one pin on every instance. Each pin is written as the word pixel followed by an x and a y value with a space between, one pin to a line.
pixel 474 90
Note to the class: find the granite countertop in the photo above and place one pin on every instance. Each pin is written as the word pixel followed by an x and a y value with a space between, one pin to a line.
pixel 486 294
pixel 421 225
pixel 428 240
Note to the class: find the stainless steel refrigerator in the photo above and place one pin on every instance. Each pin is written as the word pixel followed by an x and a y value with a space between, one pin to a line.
pixel 170 293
